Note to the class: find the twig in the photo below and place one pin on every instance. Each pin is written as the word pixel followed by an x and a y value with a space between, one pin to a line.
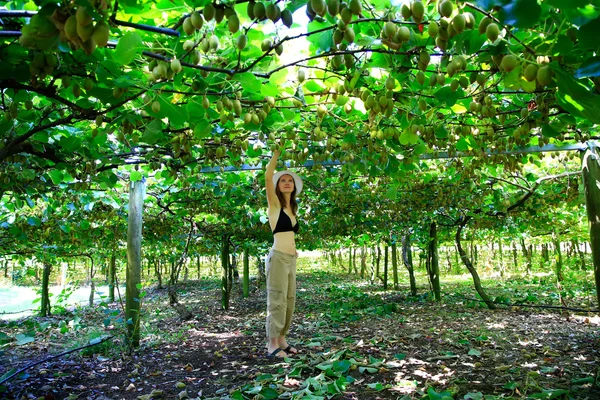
pixel 527 305
pixel 16 312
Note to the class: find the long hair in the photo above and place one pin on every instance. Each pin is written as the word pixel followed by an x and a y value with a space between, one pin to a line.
pixel 293 204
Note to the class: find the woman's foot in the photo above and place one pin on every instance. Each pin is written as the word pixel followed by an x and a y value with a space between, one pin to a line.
pixel 289 349
pixel 276 352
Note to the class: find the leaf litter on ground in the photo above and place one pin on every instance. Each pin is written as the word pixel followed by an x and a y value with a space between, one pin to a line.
pixel 357 342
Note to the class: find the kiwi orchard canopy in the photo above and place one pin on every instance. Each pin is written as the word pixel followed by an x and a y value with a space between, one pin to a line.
pixel 171 87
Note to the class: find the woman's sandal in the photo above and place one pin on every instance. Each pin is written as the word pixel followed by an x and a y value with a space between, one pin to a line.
pixel 274 353
pixel 289 350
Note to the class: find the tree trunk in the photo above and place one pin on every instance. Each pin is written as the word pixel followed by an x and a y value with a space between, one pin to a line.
pixel 385 267
pixel 591 177
pixel 377 270
pixel 527 255
pixel 514 253
pixel 363 261
pixel 260 265
pixel 407 259
pixel 456 262
pixel 500 258
pixel 373 265
pixel 395 265
pixel 172 290
pixel 581 256
pixel 45 304
pixel 6 268
pixel 448 260
pixel 434 264
pixel 246 273
pixel 134 262
pixel 112 273
pixel 558 261
pixel 92 284
pixel 350 261
pixel 463 255
pixel 158 270
pixel 225 272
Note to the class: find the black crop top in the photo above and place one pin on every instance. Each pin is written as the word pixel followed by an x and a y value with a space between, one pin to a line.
pixel 284 224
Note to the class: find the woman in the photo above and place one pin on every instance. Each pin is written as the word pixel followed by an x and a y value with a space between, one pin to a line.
pixel 282 189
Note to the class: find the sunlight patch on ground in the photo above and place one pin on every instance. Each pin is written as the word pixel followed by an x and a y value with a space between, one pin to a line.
pixel 496 326
pixel 587 320
pixel 217 335
pixel 404 386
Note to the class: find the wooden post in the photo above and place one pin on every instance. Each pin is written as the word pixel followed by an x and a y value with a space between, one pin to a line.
pixel 591 182
pixel 45 305
pixel 225 272
pixel 137 191
pixel 407 259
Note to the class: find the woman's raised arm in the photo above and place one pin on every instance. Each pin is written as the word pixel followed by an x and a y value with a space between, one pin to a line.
pixel 270 171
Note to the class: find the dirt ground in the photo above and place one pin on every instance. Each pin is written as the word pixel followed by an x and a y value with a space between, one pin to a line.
pixel 354 344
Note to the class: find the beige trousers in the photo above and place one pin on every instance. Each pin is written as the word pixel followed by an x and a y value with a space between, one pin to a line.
pixel 281 292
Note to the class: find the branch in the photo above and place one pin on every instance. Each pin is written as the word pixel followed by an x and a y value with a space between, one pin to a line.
pixel 45 91
pixel 534 188
pixel 149 28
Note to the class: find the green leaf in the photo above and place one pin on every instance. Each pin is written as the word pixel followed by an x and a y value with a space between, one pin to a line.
pixel 590 67
pixel 56 176
pixel 269 393
pixel 521 13
pixel 135 176
pixel 549 394
pixel 268 89
pixel 34 221
pixel 392 192
pixel 474 352
pixel 576 97
pixel 369 370
pixel 565 4
pixel 233 179
pixel 23 339
pixel 587 35
pixel 85 225
pixel 71 143
pixel 376 386
pixel 202 129
pixel 447 95
pixel 153 132
pixel 129 46
pixel 7 374
pixel 510 386
pixel 341 366
pixel 549 131
pixel 407 137
pixel 177 114
pixel 249 82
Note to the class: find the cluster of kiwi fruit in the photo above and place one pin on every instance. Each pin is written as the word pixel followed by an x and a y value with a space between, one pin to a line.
pixel 72 25
pixel 81 31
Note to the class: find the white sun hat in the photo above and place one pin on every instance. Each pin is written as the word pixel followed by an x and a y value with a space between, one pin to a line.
pixel 297 180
